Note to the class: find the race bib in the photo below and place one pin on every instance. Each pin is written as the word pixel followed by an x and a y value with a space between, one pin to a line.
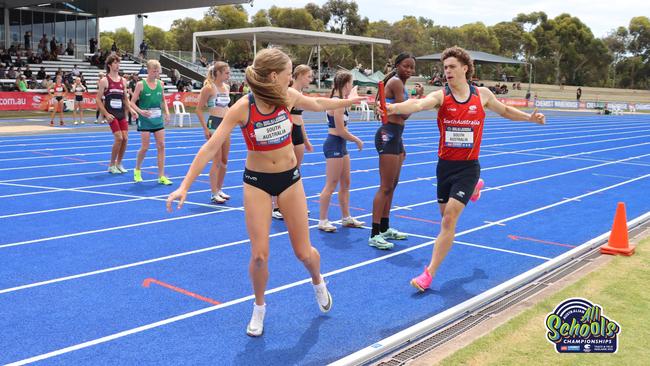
pixel 155 112
pixel 273 134
pixel 116 103
pixel 459 137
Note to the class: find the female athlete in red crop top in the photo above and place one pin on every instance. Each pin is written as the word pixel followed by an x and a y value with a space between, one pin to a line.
pixel 270 170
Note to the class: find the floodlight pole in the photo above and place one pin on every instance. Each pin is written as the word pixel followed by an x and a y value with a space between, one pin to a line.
pixel 319 66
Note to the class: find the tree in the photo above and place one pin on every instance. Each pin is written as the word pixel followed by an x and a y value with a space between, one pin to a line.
pixel 297 18
pixel 478 37
pixel 345 17
pixel 157 38
pixel 261 19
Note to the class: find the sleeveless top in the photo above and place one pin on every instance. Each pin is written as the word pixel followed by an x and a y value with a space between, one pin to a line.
pixel 114 97
pixel 150 100
pixel 220 99
pixel 461 126
pixel 330 118
pixel 266 132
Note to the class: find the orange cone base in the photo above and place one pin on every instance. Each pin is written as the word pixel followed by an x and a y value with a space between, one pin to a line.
pixel 606 249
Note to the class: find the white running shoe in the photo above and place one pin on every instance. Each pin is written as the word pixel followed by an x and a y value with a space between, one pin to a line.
pixel 75 123
pixel 276 214
pixel 121 168
pixel 216 198
pixel 255 327
pixel 323 297
pixel 113 170
pixel 351 222
pixel 326 226
pixel 223 195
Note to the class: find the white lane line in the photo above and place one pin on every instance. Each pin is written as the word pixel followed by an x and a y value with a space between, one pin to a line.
pixel 180 317
pixel 408 207
pixel 407 137
pixel 135 198
pixel 368 157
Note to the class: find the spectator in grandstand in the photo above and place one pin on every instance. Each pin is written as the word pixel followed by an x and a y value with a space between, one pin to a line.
pixel 75 71
pixel 32 83
pixel 41 73
pixel 21 84
pixel 42 43
pixel 28 40
pixel 143 50
pixel 92 45
pixel 27 72
pixel 5 57
pixel 578 93
pixel 53 45
pixel 11 73
pixel 3 71
pixel 203 61
pixel 13 51
pixel 143 70
pixel 388 68
pixel 19 62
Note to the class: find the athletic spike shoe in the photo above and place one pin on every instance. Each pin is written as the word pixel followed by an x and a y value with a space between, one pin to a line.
pixel 137 175
pixel 255 327
pixel 113 170
pixel 351 222
pixel 121 168
pixel 165 181
pixel 323 296
pixel 477 190
pixel 423 281
pixel 326 226
pixel 223 195
pixel 379 242
pixel 392 234
pixel 215 198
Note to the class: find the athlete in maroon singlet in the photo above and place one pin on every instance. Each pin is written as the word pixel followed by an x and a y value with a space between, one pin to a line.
pixel 461 117
pixel 114 107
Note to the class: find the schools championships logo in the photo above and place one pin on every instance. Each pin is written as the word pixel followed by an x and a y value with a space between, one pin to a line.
pixel 577 325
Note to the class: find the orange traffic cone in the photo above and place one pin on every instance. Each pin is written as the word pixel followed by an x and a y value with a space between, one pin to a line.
pixel 618 242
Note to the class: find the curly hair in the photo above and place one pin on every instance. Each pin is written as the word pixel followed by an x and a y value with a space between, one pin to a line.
pixel 462 56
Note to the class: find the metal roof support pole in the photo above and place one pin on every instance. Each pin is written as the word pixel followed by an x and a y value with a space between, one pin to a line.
pixel 193 48
pixel 530 76
pixel 319 65
pixel 254 45
pixel 372 57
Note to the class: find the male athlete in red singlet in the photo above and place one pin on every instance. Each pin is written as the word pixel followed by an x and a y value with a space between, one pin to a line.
pixel 461 116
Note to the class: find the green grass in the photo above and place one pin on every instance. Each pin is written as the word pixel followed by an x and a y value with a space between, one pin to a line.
pixel 621 287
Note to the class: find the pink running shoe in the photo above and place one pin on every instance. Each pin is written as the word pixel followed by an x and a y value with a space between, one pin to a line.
pixel 477 190
pixel 423 281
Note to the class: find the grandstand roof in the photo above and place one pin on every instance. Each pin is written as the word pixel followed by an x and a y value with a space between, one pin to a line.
pixel 103 8
pixel 278 35
pixel 478 57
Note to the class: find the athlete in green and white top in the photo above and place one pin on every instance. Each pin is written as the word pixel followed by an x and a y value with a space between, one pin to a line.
pixel 151 107
pixel 215 95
